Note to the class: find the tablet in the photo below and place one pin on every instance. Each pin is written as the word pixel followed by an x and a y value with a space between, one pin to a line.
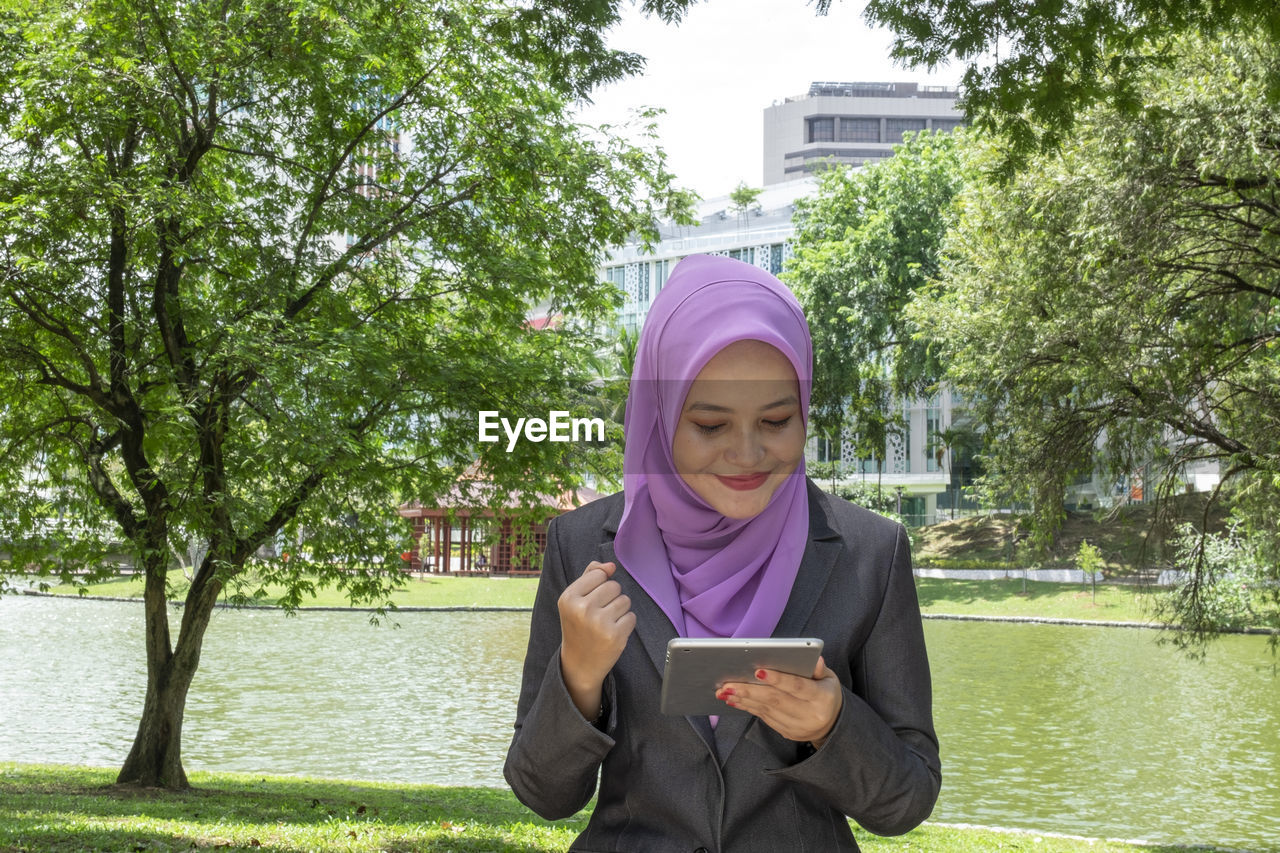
pixel 697 667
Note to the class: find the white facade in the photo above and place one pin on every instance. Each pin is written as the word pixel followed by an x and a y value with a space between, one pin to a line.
pixel 760 235
pixel 850 124
pixel 914 460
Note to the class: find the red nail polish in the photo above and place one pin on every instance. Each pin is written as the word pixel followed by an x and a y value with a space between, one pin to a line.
pixel 760 675
pixel 728 691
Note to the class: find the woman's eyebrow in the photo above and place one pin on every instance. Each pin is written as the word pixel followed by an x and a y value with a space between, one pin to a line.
pixel 700 406
pixel 778 404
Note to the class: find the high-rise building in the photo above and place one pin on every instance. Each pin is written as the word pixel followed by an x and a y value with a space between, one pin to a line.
pixel 850 124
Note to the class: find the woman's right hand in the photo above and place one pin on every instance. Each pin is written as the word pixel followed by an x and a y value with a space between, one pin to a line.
pixel 595 621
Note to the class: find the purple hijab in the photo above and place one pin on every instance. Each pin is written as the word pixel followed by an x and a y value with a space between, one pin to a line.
pixel 713 576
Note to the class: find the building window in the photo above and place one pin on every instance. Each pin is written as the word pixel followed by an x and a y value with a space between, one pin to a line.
pixel 912 510
pixel 895 127
pixel 859 130
pixel 661 269
pixel 933 443
pixel 946 125
pixel 617 276
pixel 822 130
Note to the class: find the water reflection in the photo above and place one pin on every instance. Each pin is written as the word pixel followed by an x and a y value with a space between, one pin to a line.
pixel 1091 731
pixel 427 699
pixel 1103 732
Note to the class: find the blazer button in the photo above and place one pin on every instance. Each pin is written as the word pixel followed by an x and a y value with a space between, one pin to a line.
pixel 701 850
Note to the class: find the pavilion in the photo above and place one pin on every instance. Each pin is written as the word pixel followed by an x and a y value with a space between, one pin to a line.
pixel 456 537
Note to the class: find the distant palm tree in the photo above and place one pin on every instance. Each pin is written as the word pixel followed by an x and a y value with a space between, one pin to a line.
pixel 619 363
pixel 606 396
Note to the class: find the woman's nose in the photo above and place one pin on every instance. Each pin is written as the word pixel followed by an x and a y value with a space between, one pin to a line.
pixel 746 449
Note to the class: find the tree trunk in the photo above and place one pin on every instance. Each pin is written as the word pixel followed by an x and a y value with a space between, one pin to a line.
pixel 156 757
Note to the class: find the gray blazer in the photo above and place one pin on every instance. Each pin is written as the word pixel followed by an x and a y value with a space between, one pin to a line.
pixel 674 783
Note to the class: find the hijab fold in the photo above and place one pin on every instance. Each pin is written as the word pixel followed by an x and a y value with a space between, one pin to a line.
pixel 713 576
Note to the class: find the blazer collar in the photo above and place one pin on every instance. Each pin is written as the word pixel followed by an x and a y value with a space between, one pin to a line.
pixel 654 630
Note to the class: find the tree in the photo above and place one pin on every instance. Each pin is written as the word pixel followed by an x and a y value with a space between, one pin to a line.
pixel 615 374
pixel 1031 68
pixel 743 198
pixel 606 398
pixel 1089 561
pixel 1115 306
pixel 1232 584
pixel 264 261
pixel 960 442
pixel 862 247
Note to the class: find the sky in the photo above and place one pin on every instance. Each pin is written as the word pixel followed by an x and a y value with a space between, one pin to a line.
pixel 716 71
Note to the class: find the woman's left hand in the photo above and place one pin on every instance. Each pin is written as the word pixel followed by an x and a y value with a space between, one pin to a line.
pixel 798 708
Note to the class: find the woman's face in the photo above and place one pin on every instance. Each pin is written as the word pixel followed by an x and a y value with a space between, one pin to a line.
pixel 740 434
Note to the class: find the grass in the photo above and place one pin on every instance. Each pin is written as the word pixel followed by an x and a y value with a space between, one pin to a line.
pixel 441 591
pixel 55 808
pixel 1044 599
pixel 1118 602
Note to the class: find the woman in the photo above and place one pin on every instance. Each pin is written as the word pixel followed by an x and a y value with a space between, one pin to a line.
pixel 719 533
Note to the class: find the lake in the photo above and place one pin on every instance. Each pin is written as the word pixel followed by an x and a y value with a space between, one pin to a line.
pixel 1088 731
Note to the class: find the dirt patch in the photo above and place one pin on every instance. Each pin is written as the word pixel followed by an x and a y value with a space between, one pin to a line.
pixel 1133 540
pixel 982 537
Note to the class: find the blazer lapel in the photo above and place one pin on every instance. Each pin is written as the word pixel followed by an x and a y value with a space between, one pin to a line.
pixel 653 628
pixel 820 554
pixel 816 565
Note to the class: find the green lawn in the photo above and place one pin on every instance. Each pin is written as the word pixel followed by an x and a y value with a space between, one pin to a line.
pixel 52 808
pixel 1116 602
pixel 442 591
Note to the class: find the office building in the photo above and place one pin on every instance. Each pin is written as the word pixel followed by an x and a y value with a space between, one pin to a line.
pixel 758 235
pixel 850 124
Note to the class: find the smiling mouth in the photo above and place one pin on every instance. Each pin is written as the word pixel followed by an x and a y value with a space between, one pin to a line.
pixel 744 482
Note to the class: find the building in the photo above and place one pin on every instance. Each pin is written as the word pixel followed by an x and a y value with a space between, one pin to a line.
pixel 759 235
pixel 850 124
pixel 843 123
pixel 465 534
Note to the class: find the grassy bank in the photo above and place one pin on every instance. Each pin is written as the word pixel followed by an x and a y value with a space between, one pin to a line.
pixel 1005 597
pixel 1116 602
pixel 49 808
pixel 1127 538
pixel 441 591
